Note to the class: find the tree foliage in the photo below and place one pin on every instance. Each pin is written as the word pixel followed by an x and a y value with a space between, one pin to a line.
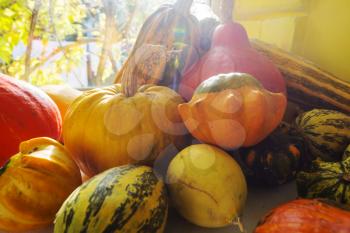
pixel 74 26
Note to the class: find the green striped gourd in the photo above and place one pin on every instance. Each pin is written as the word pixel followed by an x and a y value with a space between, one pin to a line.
pixel 329 180
pixel 176 29
pixel 122 199
pixel 327 132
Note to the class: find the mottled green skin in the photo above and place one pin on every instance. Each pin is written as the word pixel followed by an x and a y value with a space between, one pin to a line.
pixel 223 82
pixel 137 193
pixel 330 180
pixel 327 133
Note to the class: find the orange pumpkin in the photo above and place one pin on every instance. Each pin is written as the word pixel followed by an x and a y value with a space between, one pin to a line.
pixel 62 95
pixel 306 216
pixel 25 112
pixel 124 124
pixel 232 110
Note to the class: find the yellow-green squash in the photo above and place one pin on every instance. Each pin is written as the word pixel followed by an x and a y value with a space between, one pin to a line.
pixel 122 199
pixel 207 186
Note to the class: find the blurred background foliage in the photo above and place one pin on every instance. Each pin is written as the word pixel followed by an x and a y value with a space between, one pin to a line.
pixel 44 41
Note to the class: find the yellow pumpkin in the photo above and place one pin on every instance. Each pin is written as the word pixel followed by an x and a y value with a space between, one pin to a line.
pixel 232 110
pixel 62 95
pixel 105 128
pixel 34 184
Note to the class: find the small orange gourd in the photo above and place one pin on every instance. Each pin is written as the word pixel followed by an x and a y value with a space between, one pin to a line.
pixel 232 110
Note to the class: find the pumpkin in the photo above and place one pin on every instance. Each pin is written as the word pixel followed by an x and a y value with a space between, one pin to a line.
pixel 306 216
pixel 329 180
pixel 327 132
pixel 62 95
pixel 123 199
pixel 231 52
pixel 275 160
pixel 232 110
pixel 123 124
pixel 26 112
pixel 177 31
pixel 34 184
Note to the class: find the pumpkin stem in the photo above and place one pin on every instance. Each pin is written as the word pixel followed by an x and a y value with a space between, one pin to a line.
pixel 239 223
pixel 183 6
pixel 146 66
pixel 226 10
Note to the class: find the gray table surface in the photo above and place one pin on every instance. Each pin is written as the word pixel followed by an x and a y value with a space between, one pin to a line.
pixel 260 200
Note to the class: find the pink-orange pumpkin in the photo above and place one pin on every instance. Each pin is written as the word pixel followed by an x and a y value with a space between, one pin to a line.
pixel 25 112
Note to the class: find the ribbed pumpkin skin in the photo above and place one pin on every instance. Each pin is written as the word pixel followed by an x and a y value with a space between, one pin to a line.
pixel 103 128
pixel 34 184
pixel 327 132
pixel 26 112
pixel 330 180
pixel 175 28
pixel 122 199
pixel 305 216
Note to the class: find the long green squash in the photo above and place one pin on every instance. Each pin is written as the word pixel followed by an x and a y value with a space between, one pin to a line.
pixel 307 84
pixel 123 199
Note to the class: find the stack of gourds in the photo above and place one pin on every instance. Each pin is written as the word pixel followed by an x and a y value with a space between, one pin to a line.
pixel 185 122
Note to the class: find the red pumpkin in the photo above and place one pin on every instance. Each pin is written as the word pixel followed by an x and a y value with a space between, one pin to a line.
pixel 25 112
pixel 231 52
pixel 305 216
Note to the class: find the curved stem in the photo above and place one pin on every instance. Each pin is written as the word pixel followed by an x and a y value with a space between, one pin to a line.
pixel 145 66
pixel 183 5
pixel 226 10
pixel 238 222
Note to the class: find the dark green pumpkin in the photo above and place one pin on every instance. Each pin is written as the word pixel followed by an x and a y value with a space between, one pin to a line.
pixel 175 28
pixel 330 180
pixel 327 133
pixel 275 160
